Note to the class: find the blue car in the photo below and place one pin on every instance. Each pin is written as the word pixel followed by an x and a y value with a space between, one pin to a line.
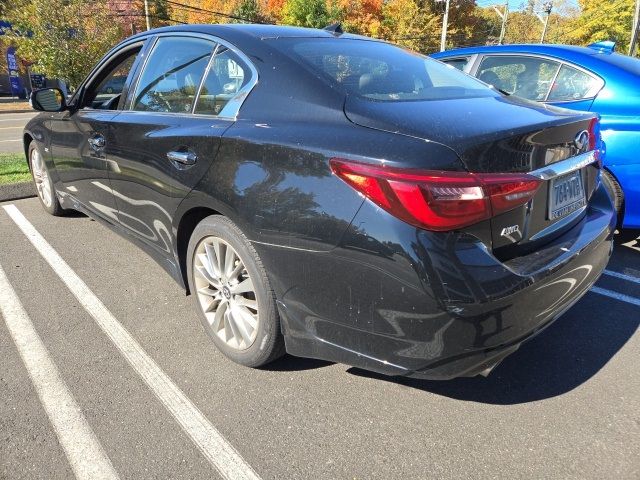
pixel 593 78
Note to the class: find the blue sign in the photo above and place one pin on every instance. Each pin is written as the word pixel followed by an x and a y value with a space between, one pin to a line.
pixel 38 80
pixel 14 74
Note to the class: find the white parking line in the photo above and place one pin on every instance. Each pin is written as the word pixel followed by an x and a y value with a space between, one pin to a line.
pixel 26 116
pixel 84 452
pixel 211 443
pixel 623 276
pixel 16 140
pixel 618 296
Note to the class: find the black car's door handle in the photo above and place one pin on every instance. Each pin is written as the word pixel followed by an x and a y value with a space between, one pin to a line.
pixel 185 158
pixel 97 141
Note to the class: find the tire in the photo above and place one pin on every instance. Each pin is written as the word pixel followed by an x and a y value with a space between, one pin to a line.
pixel 42 180
pixel 251 341
pixel 616 192
pixel 623 235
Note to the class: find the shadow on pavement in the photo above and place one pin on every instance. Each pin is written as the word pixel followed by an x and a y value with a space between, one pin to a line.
pixel 561 358
pixel 289 363
pixel 628 235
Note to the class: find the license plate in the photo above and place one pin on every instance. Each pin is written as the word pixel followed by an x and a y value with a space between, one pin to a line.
pixel 566 195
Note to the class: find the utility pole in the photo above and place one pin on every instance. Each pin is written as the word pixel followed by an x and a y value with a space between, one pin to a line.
pixel 635 30
pixel 503 16
pixel 146 14
pixel 445 24
pixel 547 9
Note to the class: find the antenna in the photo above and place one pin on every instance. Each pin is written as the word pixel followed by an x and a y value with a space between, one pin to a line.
pixel 335 28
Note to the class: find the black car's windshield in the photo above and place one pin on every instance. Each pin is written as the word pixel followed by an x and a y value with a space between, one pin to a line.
pixel 381 71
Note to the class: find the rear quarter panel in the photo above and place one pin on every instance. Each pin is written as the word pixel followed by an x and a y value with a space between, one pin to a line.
pixel 619 107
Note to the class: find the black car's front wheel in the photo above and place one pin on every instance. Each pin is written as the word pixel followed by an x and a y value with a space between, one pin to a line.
pixel 232 292
pixel 44 184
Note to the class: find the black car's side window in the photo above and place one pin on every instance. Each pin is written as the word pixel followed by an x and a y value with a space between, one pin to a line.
pixel 227 74
pixel 106 91
pixel 524 76
pixel 172 75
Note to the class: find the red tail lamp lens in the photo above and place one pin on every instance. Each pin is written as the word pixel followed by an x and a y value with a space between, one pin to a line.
pixel 436 200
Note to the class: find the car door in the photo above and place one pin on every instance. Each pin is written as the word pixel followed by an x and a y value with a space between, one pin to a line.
pixel 168 136
pixel 80 136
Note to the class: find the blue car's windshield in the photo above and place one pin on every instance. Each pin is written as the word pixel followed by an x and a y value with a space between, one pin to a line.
pixel 381 71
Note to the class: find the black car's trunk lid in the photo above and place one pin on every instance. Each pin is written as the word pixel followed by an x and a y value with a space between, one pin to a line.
pixel 500 135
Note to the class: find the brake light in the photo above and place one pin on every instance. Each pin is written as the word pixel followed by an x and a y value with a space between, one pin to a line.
pixel 436 200
pixel 595 141
pixel 594 133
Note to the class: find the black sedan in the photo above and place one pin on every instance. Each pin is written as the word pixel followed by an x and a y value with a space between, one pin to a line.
pixel 332 196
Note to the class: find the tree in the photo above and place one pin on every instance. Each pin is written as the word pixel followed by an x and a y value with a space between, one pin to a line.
pixel 523 28
pixel 204 11
pixel 64 38
pixel 274 9
pixel 600 21
pixel 411 24
pixel 249 11
pixel 361 16
pixel 310 13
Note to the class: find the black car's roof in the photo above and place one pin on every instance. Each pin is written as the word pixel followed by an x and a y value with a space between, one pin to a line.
pixel 257 31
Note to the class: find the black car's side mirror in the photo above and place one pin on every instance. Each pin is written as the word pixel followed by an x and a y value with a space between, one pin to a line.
pixel 48 100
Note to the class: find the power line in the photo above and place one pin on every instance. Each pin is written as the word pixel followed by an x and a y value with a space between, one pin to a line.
pixel 185 6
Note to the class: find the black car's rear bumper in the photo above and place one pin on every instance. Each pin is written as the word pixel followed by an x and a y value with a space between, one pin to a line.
pixel 402 301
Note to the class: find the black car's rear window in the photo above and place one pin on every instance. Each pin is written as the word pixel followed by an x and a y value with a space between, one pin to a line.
pixel 381 71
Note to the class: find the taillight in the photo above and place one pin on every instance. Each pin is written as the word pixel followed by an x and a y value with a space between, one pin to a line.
pixel 436 200
pixel 595 142
pixel 594 133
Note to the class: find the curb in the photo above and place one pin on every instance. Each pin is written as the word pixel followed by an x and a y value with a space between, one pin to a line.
pixel 16 191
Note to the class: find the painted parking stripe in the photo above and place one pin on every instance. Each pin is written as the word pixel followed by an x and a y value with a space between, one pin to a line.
pixel 618 296
pixel 622 276
pixel 82 448
pixel 16 140
pixel 25 116
pixel 222 455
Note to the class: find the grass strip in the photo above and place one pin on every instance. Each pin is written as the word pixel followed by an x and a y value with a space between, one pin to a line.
pixel 13 168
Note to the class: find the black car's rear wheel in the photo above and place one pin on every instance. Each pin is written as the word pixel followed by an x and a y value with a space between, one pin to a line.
pixel 44 184
pixel 232 292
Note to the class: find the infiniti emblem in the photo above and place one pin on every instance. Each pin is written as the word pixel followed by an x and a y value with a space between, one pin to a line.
pixel 226 292
pixel 582 141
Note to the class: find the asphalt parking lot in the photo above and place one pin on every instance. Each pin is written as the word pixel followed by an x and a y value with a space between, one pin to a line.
pixel 82 395
pixel 11 125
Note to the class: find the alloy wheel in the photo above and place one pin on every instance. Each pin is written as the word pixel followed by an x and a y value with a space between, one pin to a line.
pixel 225 293
pixel 41 177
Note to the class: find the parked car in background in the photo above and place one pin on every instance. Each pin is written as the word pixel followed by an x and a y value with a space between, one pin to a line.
pixel 332 195
pixel 592 78
pixel 115 85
